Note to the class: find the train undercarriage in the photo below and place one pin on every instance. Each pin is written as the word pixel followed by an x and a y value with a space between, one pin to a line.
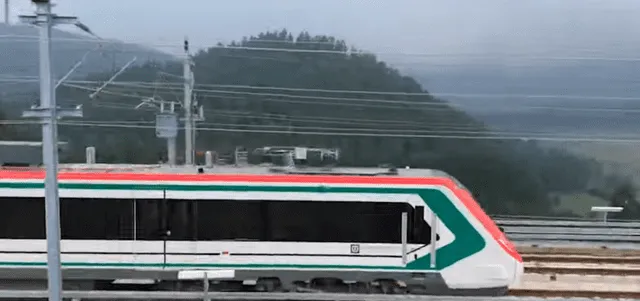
pixel 246 280
pixel 358 282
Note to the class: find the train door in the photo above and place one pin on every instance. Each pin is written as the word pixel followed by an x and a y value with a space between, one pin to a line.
pixel 150 230
pixel 177 228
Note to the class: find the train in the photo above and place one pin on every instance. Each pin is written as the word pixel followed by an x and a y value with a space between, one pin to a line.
pixel 361 230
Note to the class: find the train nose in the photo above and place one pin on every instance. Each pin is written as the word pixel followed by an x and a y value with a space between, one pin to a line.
pixel 518 273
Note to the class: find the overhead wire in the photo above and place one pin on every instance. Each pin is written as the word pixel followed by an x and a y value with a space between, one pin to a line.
pixel 215 93
pixel 303 130
pixel 450 127
pixel 338 91
pixel 445 106
pixel 433 133
pixel 297 118
pixel 179 46
pixel 313 119
pixel 462 136
pixel 224 113
pixel 426 125
pixel 413 133
pixel 430 102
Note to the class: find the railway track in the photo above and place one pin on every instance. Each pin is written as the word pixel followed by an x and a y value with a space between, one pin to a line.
pixel 573 285
pixel 602 252
pixel 585 259
pixel 540 293
pixel 582 265
pixel 579 273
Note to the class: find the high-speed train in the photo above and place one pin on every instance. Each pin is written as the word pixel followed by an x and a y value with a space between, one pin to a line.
pixel 353 229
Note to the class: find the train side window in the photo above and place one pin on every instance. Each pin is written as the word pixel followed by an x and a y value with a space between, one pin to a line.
pixel 149 219
pixel 182 219
pixel 229 220
pixel 314 221
pixel 274 220
pixel 86 218
pixel 178 219
pixel 22 218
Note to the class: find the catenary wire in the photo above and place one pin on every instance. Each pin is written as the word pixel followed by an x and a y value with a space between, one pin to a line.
pixel 236 114
pixel 452 126
pixel 444 106
pixel 355 131
pixel 308 119
pixel 493 135
pixel 387 93
pixel 173 86
pixel 462 136
pixel 29 38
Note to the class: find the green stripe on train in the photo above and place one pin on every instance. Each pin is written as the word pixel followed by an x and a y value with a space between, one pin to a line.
pixel 466 243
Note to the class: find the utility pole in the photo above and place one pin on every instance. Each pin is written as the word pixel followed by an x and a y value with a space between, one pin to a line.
pixel 188 106
pixel 190 117
pixel 49 113
pixel 6 12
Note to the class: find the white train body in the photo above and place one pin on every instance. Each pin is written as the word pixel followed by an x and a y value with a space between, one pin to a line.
pixel 266 228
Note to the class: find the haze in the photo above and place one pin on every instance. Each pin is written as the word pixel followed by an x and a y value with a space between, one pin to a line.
pixel 457 28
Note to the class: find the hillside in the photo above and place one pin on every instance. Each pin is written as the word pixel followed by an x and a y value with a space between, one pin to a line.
pixel 19 50
pixel 596 84
pixel 402 127
pixel 617 81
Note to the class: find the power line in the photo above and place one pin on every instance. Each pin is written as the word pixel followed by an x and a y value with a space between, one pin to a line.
pixel 465 135
pixel 392 131
pixel 432 94
pixel 348 131
pixel 337 91
pixel 334 121
pixel 205 93
pixel 309 119
pixel 443 105
pixel 28 38
pixel 462 136
pixel 306 119
pixel 168 86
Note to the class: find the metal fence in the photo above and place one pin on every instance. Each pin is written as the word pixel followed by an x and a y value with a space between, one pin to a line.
pixel 562 232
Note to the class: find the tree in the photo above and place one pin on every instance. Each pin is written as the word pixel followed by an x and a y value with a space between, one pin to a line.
pixel 624 195
pixel 507 177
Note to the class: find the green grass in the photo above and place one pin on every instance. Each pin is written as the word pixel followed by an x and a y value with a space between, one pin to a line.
pixel 619 158
pixel 616 158
pixel 579 203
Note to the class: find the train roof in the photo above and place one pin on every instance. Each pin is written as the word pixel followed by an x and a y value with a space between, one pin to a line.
pixel 264 169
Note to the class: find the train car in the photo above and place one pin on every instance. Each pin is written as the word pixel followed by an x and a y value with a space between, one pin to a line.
pixel 356 230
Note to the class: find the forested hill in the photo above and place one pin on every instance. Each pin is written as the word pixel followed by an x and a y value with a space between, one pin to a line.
pixel 405 128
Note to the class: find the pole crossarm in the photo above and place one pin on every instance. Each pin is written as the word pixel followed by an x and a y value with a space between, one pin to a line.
pixel 43 19
pixel 47 113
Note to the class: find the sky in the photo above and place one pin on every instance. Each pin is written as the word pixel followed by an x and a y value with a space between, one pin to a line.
pixel 404 31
